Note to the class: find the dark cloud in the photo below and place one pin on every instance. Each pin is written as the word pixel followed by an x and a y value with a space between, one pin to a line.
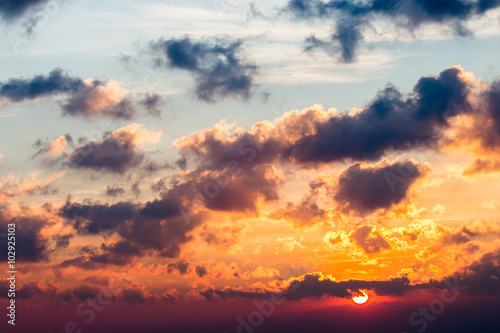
pixel 348 37
pixel 15 8
pixel 112 154
pixel 165 224
pixel 151 167
pixel 483 276
pixel 490 134
pixel 114 191
pixel 182 266
pixel 117 152
pixel 151 103
pixel 97 280
pixel 315 285
pixel 218 67
pixel 133 296
pixel 211 294
pixel 351 18
pixel 88 99
pixel 81 262
pixel 95 218
pixel 365 188
pixel 85 292
pixel 32 290
pixel 119 254
pixel 62 241
pixel 228 190
pixel 33 245
pixel 160 185
pixel 136 190
pixel 201 270
pixel 481 133
pixel 390 122
pixel 156 226
pixel 243 193
pixel 57 82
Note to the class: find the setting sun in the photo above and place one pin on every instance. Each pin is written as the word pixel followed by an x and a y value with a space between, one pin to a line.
pixel 360 298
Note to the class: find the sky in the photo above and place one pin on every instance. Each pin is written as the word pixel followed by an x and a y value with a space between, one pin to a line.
pixel 250 166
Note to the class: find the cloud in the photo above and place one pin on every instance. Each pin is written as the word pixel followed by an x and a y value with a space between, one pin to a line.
pixel 489 204
pixel 305 213
pixel 224 237
pixel 289 244
pixel 492 99
pixel 12 9
pixel 482 277
pixel 479 132
pixel 229 189
pixel 53 148
pixel 31 226
pixel 114 191
pixel 469 232
pixel 152 102
pixel 162 226
pixel 353 18
pixel 15 186
pixel 317 285
pixel 217 66
pixel 99 99
pixel 364 240
pixel 118 255
pixel 390 122
pixel 365 188
pixel 58 146
pixel 340 242
pixel 481 166
pixel 134 296
pixel 82 98
pixel 369 240
pixel 157 226
pixel 182 266
pixel 57 82
pixel 117 152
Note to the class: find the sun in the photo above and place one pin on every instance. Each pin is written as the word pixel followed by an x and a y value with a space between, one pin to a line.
pixel 361 297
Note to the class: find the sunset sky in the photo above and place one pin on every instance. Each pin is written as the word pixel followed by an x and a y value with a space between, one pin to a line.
pixel 251 166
